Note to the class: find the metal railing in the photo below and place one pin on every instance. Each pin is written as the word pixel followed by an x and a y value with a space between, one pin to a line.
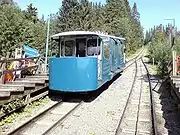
pixel 13 68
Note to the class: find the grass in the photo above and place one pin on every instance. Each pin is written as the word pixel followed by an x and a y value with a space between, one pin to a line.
pixel 92 133
pixel 130 56
pixel 25 112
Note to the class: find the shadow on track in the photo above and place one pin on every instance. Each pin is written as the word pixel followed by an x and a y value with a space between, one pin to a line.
pixel 81 96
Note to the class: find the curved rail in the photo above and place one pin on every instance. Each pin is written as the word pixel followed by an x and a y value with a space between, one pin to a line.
pixel 152 106
pixel 131 61
pixel 61 119
pixel 139 106
pixel 18 129
pixel 38 117
pixel 152 101
pixel 118 128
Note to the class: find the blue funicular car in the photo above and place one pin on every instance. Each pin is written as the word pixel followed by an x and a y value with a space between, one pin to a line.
pixel 85 60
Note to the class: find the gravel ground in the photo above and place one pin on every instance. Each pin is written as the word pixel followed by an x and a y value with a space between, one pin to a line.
pixel 138 112
pixel 101 116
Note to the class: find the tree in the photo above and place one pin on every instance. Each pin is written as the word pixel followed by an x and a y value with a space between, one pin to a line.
pixel 31 13
pixel 97 19
pixel 16 29
pixel 160 51
pixel 135 14
pixel 119 22
pixel 114 18
pixel 2 2
pixel 66 15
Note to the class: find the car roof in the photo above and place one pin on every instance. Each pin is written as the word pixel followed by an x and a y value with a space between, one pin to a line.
pixel 79 33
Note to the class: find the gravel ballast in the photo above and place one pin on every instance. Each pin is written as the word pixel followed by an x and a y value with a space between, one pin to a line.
pixel 101 116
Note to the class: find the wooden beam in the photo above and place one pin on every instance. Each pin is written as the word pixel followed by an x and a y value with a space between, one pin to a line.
pixel 19 69
pixel 11 89
pixel 22 80
pixel 10 60
pixel 5 94
pixel 36 78
pixel 18 85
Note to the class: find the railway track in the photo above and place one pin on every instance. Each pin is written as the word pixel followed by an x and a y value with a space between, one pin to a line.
pixel 33 126
pixel 45 93
pixel 44 122
pixel 139 109
pixel 153 113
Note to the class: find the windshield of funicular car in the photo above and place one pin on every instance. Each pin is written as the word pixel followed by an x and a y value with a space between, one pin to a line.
pixel 80 47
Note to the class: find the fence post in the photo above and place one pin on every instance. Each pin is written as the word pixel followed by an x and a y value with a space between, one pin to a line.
pixel 153 61
pixel 27 100
pixel 174 63
pixel 3 66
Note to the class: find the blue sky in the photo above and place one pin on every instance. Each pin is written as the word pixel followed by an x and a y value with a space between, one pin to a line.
pixel 153 12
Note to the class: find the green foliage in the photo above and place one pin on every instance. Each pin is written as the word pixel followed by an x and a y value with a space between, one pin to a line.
pixel 177 44
pixel 16 29
pixel 115 18
pixel 2 2
pixel 160 50
pixel 34 106
pixel 12 105
pixel 31 13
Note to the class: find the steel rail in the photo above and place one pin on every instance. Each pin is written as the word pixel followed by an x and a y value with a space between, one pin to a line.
pixel 18 130
pixel 24 125
pixel 132 86
pixel 139 104
pixel 62 119
pixel 35 98
pixel 153 114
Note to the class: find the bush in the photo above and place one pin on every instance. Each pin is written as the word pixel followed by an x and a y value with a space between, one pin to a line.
pixel 160 50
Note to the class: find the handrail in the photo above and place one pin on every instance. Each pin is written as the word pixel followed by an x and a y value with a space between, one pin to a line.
pixel 25 64
pixel 19 59
pixel 19 69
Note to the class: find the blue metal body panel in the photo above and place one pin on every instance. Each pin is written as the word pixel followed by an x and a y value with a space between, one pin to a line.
pixel 80 74
pixel 73 74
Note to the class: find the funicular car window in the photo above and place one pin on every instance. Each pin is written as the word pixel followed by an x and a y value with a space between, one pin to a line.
pixel 92 48
pixel 106 48
pixel 121 47
pixel 69 47
pixel 113 45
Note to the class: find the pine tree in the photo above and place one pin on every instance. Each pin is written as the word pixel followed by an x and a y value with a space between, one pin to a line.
pixel 65 20
pixel 115 18
pixel 147 37
pixel 16 29
pixel 84 15
pixel 2 2
pixel 31 13
pixel 98 17
pixel 134 13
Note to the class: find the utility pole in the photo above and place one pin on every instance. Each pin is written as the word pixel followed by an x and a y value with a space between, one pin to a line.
pixel 47 41
pixel 172 31
pixel 172 34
